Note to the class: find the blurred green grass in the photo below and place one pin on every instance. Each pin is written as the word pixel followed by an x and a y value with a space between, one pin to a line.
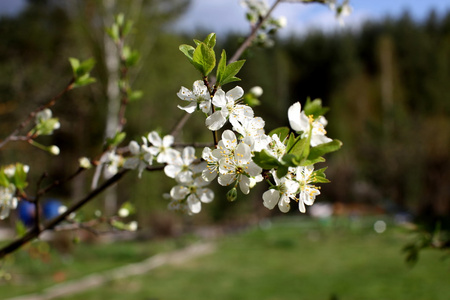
pixel 292 258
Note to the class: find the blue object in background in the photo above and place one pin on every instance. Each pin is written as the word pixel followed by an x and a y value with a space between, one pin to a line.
pixel 50 209
pixel 27 212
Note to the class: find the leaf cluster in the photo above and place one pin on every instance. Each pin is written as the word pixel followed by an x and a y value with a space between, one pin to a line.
pixel 19 179
pixel 203 58
pixel 81 71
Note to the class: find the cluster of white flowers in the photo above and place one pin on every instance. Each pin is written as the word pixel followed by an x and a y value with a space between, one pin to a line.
pixel 231 161
pixel 8 199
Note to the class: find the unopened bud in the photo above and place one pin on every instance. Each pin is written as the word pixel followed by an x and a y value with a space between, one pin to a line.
pixel 85 163
pixel 232 195
pixel 257 91
pixel 123 212
pixel 133 226
pixel 54 150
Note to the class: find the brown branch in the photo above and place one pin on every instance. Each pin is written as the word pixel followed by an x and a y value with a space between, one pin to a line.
pixel 35 232
pixel 248 41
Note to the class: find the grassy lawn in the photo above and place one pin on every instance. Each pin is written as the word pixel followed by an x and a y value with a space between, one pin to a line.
pixel 290 259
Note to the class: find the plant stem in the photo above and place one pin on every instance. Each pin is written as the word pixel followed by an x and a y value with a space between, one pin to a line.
pixel 248 41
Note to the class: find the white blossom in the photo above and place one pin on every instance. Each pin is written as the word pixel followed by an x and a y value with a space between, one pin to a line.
pixel 161 147
pixel 111 162
pixel 286 189
pixel 199 97
pixel 308 192
pixel 179 164
pixel 194 192
pixel 239 167
pixel 7 200
pixel 300 122
pixel 141 156
pixel 229 109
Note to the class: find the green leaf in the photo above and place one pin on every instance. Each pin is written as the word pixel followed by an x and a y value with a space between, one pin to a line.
pixel 322 149
pixel 188 50
pixel 282 132
pixel 290 160
pixel 210 40
pixel 113 32
pixel 314 108
pixel 86 66
pixel 290 142
pixel 81 71
pixel 4 181
pixel 309 162
pixel 135 95
pixel 46 127
pixel 221 67
pixel 204 59
pixel 127 28
pixel 116 140
pixel 298 147
pixel 265 160
pixel 75 64
pixel 131 57
pixel 230 71
pixel 83 80
pixel 20 177
pixel 226 74
pixel 282 171
pixel 319 176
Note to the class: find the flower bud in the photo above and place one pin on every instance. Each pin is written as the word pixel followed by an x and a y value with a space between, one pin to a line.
pixel 123 212
pixel 257 91
pixel 132 226
pixel 54 150
pixel 84 163
pixel 232 195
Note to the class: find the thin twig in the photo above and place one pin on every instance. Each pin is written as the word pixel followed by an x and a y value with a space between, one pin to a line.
pixel 35 232
pixel 248 41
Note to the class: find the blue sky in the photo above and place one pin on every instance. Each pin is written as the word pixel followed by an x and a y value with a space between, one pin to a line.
pixel 225 15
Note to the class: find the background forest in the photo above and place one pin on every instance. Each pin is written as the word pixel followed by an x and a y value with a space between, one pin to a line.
pixel 386 85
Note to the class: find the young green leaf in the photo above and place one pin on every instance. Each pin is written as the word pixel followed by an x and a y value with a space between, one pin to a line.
pixel 282 132
pixel 265 160
pixel 315 108
pixel 20 177
pixel 322 149
pixel 116 140
pixel 204 59
pixel 290 160
pixel 230 71
pixel 221 67
pixel 282 171
pixel 188 50
pixel 210 40
pixel 3 178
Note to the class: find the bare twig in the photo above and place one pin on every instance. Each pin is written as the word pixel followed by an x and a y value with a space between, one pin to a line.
pixel 248 41
pixel 35 232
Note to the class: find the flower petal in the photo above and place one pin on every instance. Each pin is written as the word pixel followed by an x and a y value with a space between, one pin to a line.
pixel 154 138
pixel 215 121
pixel 270 198
pixel 194 204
